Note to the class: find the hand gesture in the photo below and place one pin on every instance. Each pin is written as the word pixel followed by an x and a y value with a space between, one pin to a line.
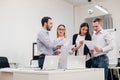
pixel 74 49
pixel 98 49
pixel 91 51
pixel 57 52
pixel 81 43
pixel 58 46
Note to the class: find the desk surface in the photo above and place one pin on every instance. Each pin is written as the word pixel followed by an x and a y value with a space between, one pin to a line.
pixel 37 70
pixel 36 74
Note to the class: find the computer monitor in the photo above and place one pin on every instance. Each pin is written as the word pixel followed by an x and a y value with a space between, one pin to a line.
pixel 35 55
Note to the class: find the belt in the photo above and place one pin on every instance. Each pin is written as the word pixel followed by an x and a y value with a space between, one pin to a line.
pixel 99 56
pixel 41 55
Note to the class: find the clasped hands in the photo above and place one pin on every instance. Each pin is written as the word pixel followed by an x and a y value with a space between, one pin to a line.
pixel 77 47
pixel 58 47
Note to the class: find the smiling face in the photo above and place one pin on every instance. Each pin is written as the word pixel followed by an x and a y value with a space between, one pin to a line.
pixel 97 26
pixel 61 31
pixel 84 30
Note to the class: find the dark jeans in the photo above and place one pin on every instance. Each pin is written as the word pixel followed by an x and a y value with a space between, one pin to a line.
pixel 101 62
pixel 41 60
pixel 89 63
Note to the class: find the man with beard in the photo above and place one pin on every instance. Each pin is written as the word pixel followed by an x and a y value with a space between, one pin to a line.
pixel 44 44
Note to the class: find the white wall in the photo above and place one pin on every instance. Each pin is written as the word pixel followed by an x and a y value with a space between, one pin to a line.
pixel 112 6
pixel 20 23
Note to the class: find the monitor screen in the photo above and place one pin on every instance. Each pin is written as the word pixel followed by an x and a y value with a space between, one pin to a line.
pixel 35 55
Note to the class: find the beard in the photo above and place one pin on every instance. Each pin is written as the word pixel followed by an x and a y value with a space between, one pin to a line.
pixel 47 27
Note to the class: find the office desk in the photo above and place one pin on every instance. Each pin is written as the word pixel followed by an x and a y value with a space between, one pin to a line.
pixel 84 74
pixel 6 74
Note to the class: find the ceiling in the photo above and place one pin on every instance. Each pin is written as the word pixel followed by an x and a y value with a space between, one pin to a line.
pixel 82 2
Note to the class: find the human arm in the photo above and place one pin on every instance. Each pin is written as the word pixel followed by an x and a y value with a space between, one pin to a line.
pixel 108 44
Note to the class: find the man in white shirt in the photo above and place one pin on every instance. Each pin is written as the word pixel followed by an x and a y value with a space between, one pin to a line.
pixel 103 44
pixel 44 44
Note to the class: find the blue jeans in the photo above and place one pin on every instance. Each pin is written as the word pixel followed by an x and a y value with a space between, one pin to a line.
pixel 41 60
pixel 101 62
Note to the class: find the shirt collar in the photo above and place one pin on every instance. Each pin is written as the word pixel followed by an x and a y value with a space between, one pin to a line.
pixel 61 37
pixel 101 31
pixel 45 30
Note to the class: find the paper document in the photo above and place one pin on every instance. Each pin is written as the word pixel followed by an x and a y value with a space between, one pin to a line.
pixel 61 43
pixel 71 46
pixel 90 44
pixel 88 57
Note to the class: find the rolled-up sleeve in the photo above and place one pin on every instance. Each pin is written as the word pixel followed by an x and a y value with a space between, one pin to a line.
pixel 109 43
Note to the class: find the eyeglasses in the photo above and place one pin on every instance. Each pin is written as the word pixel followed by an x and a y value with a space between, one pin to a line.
pixel 61 29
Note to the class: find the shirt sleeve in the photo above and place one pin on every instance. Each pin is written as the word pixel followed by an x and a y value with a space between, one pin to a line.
pixel 109 43
pixel 44 38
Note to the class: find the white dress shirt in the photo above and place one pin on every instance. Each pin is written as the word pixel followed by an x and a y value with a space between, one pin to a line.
pixel 65 50
pixel 103 40
pixel 44 44
pixel 80 51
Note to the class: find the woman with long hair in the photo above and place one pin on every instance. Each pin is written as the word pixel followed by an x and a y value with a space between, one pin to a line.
pixel 78 40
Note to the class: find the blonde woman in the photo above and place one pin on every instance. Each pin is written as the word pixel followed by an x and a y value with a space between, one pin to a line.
pixel 65 42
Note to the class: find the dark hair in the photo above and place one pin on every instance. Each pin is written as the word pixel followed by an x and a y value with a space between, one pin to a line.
pixel 97 20
pixel 87 36
pixel 83 25
pixel 45 20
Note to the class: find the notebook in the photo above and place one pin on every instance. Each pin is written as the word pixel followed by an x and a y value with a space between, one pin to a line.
pixel 75 62
pixel 51 63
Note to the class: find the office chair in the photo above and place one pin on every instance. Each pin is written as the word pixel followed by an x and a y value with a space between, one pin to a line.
pixel 4 62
